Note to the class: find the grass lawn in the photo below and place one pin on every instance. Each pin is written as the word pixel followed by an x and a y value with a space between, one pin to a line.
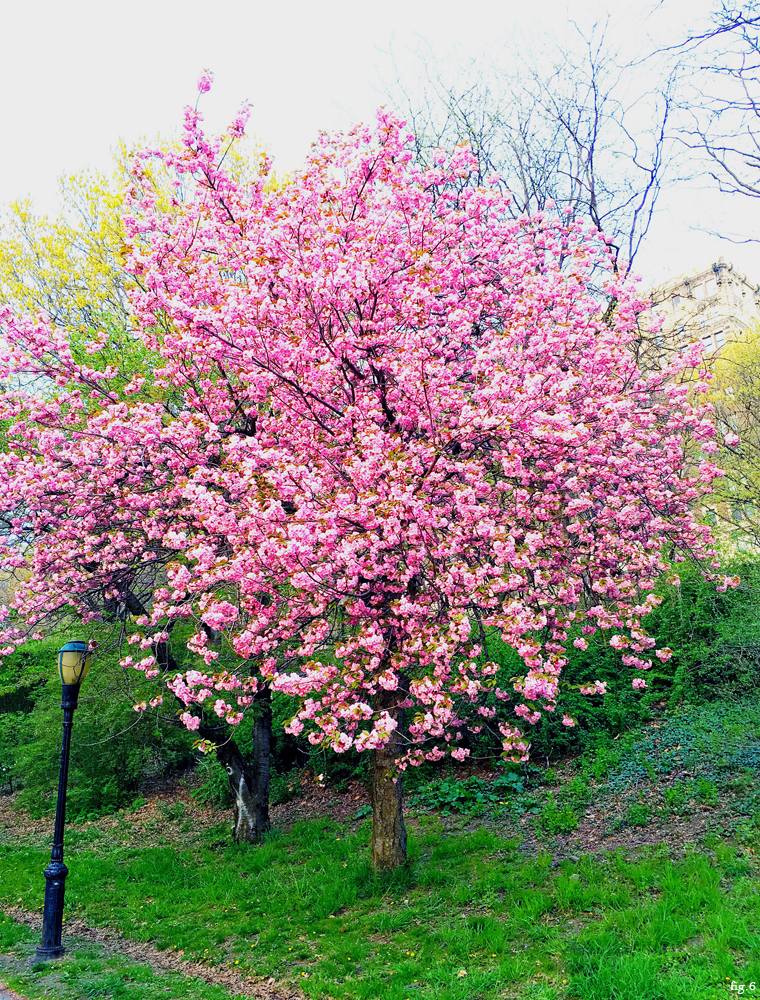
pixel 472 917
pixel 632 874
pixel 89 970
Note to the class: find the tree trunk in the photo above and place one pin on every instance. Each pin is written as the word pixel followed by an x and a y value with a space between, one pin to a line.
pixel 262 756
pixel 249 782
pixel 386 795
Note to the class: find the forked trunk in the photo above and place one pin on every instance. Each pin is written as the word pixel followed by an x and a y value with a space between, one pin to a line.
pixel 386 794
pixel 249 782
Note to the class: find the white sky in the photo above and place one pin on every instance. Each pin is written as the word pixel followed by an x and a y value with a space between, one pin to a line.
pixel 76 77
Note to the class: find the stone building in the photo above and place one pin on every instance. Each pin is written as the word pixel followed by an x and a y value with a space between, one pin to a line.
pixel 714 304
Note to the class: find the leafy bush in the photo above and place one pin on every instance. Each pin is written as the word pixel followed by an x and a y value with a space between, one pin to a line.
pixel 715 637
pixel 469 796
pixel 16 730
pixel 576 794
pixel 554 818
pixel 677 796
pixel 24 673
pixel 638 814
pixel 214 788
pixel 284 787
pixel 681 793
pixel 114 751
pixel 171 811
pixel 707 790
pixel 286 753
pixel 620 709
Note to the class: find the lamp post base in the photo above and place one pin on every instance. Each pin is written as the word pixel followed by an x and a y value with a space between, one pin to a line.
pixel 52 916
pixel 47 954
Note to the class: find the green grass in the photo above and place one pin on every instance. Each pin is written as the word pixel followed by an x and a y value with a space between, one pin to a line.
pixel 472 916
pixel 89 971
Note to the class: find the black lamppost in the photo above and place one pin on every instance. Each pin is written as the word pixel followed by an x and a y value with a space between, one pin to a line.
pixel 73 664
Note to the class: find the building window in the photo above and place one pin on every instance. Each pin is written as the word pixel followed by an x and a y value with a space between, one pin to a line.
pixel 720 338
pixel 707 341
pixel 676 301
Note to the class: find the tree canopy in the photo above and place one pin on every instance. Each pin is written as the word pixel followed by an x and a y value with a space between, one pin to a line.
pixel 386 420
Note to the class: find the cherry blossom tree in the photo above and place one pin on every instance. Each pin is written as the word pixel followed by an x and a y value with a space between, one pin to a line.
pixel 401 424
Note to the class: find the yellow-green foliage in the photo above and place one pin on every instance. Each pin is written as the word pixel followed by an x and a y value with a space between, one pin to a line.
pixel 70 266
pixel 735 393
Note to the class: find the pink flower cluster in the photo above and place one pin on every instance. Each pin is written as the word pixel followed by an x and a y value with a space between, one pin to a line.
pixel 384 422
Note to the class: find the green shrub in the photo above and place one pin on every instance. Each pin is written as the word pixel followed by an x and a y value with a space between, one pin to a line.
pixel 284 787
pixel 214 788
pixel 24 673
pixel 715 637
pixel 469 796
pixel 619 710
pixel 677 796
pixel 554 818
pixel 284 782
pixel 172 812
pixel 576 794
pixel 114 750
pixel 638 814
pixel 707 790
pixel 16 731
pixel 214 791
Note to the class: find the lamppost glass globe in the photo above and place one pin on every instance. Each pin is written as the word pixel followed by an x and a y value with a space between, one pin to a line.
pixel 73 662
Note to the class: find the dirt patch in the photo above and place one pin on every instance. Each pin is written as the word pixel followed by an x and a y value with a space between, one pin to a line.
pixel 589 838
pixel 6 993
pixel 594 833
pixel 317 800
pixel 167 961
pixel 154 819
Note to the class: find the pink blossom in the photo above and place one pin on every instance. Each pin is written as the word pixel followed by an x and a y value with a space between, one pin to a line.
pixel 406 424
pixel 204 81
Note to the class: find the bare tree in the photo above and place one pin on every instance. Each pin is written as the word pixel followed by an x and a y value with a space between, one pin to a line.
pixel 579 134
pixel 724 104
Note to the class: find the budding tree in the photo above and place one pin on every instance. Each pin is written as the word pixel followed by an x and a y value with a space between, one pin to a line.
pixel 565 124
pixel 403 425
